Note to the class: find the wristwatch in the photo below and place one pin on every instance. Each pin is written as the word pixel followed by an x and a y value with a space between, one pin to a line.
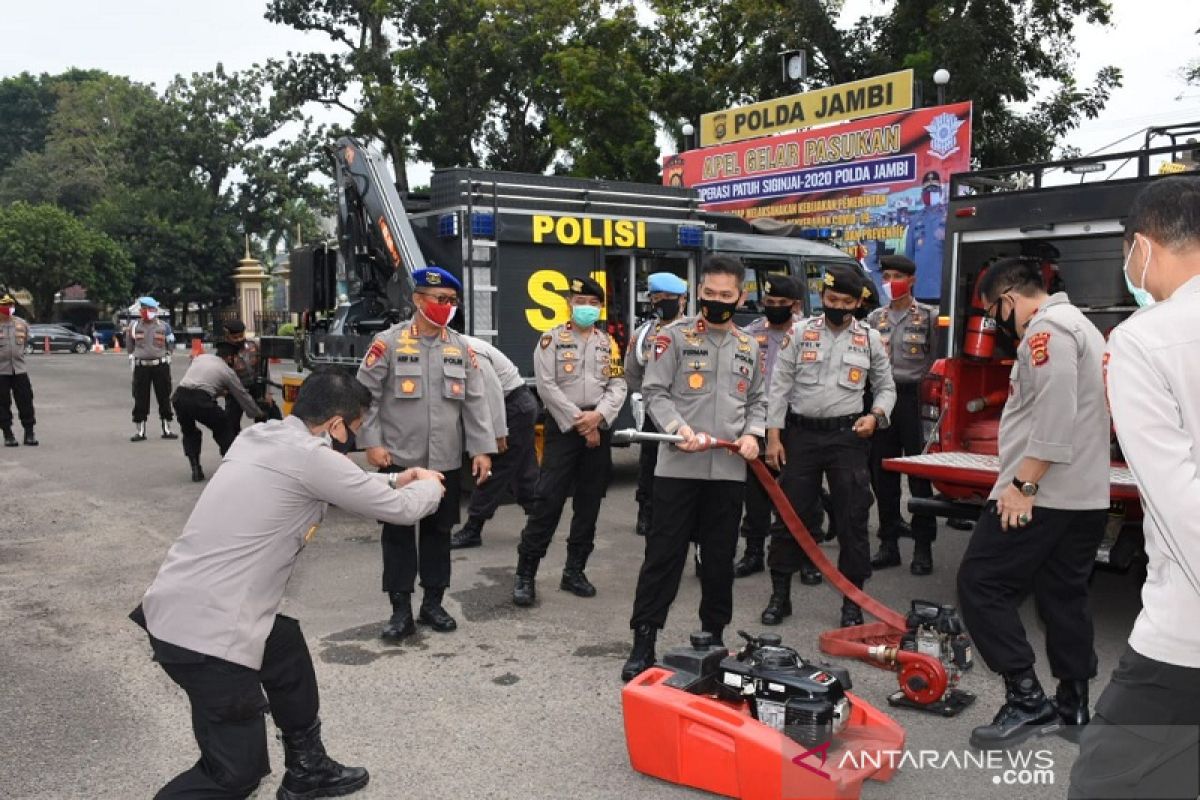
pixel 1028 489
pixel 392 479
pixel 880 419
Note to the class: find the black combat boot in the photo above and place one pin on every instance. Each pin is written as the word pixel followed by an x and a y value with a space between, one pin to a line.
pixel 1026 711
pixel 524 590
pixel 401 624
pixel 851 612
pixel 311 772
pixel 197 473
pixel 167 433
pixel 573 579
pixel 139 432
pixel 809 574
pixel 888 555
pixel 432 613
pixel 780 604
pixel 717 632
pixel 469 535
pixel 30 439
pixel 752 559
pixel 9 439
pixel 643 519
pixel 922 560
pixel 1071 699
pixel 641 657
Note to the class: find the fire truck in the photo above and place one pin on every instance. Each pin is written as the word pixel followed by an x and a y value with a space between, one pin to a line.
pixel 1070 215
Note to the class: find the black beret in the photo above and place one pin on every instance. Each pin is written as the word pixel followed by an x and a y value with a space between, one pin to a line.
pixel 587 286
pixel 235 326
pixel 779 285
pixel 845 279
pixel 227 349
pixel 898 263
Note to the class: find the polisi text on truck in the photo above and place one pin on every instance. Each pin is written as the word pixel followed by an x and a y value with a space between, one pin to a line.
pixel 588 231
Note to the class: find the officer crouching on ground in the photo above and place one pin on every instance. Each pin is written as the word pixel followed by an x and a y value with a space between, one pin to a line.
pixel 668 297
pixel 212 611
pixel 514 467
pixel 909 333
pixel 706 377
pixel 817 390
pixel 14 376
pixel 578 372
pixel 429 405
pixel 1047 513
pixel 195 400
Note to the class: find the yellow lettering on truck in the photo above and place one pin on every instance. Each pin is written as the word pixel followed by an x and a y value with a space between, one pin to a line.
pixel 589 231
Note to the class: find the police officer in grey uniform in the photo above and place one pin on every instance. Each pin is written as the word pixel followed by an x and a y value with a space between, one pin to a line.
pixel 195 400
pixel 668 297
pixel 212 610
pixel 514 467
pixel 1047 512
pixel 14 377
pixel 817 391
pixel 781 301
pixel 909 332
pixel 150 341
pixel 578 371
pixel 706 377
pixel 429 404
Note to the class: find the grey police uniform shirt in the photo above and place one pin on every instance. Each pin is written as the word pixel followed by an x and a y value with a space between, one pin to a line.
pixel 641 350
pixel 575 373
pixel 823 374
pixel 211 374
pixel 429 401
pixel 1154 388
pixel 223 580
pixel 769 341
pixel 14 334
pixel 1056 410
pixel 910 338
pixel 712 382
pixel 492 363
pixel 149 340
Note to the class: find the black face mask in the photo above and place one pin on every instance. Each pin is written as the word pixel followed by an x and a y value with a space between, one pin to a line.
pixel 717 311
pixel 777 315
pixel 1008 326
pixel 667 308
pixel 837 316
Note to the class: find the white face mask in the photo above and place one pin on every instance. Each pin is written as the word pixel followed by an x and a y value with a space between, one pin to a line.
pixel 151 316
pixel 1140 295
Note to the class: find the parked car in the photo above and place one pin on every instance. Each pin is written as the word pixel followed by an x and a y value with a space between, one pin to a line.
pixel 61 339
pixel 103 331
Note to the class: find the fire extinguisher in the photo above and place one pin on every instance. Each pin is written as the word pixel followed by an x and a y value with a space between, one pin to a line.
pixel 981 329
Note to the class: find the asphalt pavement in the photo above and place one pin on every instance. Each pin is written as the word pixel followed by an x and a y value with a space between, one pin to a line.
pixel 518 703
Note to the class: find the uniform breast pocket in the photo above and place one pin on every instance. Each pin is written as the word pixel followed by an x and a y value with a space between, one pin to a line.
pixel 914 344
pixel 853 372
pixel 742 373
pixel 567 366
pixel 454 380
pixel 808 367
pixel 409 381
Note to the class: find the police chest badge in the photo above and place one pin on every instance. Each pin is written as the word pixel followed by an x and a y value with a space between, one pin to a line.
pixel 376 352
pixel 855 375
pixel 859 340
pixel 546 341
pixel 1039 348
pixel 812 336
pixel 696 380
pixel 569 367
pixel 808 356
pixel 408 386
pixel 456 388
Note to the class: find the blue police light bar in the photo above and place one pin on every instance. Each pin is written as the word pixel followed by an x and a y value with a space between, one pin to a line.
pixel 447 227
pixel 483 226
pixel 690 236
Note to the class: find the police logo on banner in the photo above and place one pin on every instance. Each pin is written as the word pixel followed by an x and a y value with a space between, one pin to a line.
pixel 943 135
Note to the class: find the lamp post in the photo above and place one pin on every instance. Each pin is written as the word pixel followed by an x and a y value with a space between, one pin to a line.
pixel 941 78
pixel 688 130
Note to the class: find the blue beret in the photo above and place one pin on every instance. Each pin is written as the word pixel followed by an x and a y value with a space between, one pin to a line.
pixel 437 278
pixel 667 282
pixel 148 302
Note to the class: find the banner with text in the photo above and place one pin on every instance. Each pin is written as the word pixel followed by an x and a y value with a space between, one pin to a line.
pixel 872 187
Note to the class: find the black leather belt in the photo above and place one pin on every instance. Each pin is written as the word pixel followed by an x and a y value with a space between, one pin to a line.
pixel 823 424
pixel 151 362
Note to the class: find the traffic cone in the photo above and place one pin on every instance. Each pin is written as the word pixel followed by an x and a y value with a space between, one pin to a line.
pixel 45 344
pixel 97 347
pixel 197 347
pixel 116 348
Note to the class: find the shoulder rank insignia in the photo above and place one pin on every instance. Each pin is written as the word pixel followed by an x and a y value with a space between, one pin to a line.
pixel 474 359
pixel 661 343
pixel 1039 348
pixel 376 352
pixel 546 340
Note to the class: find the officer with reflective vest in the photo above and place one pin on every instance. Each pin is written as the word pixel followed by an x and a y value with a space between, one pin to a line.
pixel 150 342
pixel 817 392
pixel 429 406
pixel 14 377
pixel 909 333
pixel 578 371
pixel 668 297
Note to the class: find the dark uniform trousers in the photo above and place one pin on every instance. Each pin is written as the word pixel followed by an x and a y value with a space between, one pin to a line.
pixel 687 509
pixel 756 523
pixel 839 456
pixel 405 555
pixel 567 462
pixel 902 437
pixel 234 413
pixel 198 406
pixel 647 462
pixel 228 707
pixel 16 387
pixel 1143 740
pixel 516 468
pixel 1053 557
pixel 158 376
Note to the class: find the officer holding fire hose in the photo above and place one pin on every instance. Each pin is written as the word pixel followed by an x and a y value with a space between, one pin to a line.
pixel 705 378
pixel 817 390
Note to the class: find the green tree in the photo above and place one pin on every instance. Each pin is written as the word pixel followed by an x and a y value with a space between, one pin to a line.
pixel 44 249
pixel 27 102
